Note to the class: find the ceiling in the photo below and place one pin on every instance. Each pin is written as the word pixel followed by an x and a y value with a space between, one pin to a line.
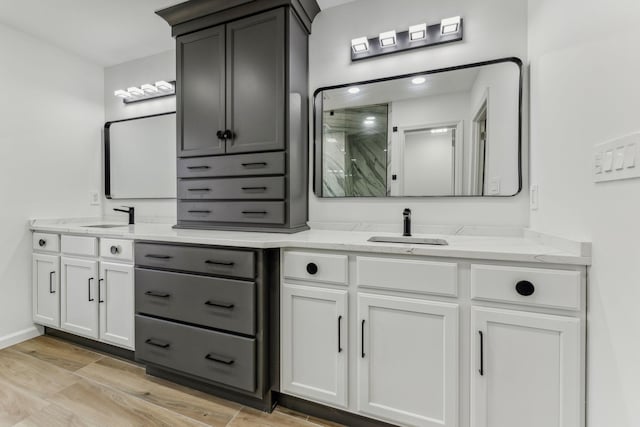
pixel 106 32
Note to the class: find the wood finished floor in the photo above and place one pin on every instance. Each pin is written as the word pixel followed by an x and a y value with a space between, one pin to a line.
pixel 50 382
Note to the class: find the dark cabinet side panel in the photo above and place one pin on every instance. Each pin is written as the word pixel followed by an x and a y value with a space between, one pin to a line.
pixel 256 83
pixel 201 92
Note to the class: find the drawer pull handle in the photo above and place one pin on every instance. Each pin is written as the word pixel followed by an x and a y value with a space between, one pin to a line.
pixel 254 188
pixel 339 334
pixel 219 304
pixel 254 212
pixel 312 268
pixel 157 344
pixel 89 289
pixel 158 256
pixel 199 212
pixel 219 359
pixel 223 263
pixel 362 340
pixel 156 294
pixel 200 189
pixel 51 290
pixel 525 288
pixel 100 300
pixel 262 164
pixel 114 250
pixel 42 243
pixel 481 370
pixel 197 167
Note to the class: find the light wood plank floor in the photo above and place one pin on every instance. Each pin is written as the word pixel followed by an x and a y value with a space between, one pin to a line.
pixel 50 382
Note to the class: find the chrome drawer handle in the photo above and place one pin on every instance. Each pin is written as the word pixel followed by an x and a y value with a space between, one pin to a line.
pixel 157 344
pixel 219 304
pixel 219 359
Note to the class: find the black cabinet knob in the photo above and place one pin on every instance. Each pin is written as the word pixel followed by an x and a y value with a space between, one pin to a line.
pixel 525 288
pixel 115 250
pixel 312 268
pixel 220 134
pixel 42 243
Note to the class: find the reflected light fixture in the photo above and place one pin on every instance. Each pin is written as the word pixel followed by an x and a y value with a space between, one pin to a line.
pixel 443 130
pixel 388 38
pixel 360 44
pixel 371 118
pixel 450 26
pixel 417 32
pixel 418 80
pixel 354 90
pixel 146 91
pixel 369 122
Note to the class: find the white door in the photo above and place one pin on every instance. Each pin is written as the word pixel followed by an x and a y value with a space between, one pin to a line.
pixel 429 162
pixel 525 369
pixel 408 360
pixel 116 296
pixel 79 297
pixel 46 287
pixel 315 343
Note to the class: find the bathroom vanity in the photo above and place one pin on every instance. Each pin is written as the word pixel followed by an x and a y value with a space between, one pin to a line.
pixel 345 328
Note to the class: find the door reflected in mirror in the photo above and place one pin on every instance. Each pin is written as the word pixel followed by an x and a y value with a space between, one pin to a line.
pixel 453 132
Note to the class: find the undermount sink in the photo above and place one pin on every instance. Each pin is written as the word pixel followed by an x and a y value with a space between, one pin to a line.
pixel 410 240
pixel 107 226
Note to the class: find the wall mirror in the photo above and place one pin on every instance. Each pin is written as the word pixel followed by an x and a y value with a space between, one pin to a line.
pixel 140 157
pixel 450 132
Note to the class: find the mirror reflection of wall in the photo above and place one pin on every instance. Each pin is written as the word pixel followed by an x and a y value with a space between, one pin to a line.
pixel 452 133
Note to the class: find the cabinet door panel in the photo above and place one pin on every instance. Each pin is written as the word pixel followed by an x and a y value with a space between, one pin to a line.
pixel 256 83
pixel 79 297
pixel 46 287
pixel 116 304
pixel 201 92
pixel 529 372
pixel 314 343
pixel 408 360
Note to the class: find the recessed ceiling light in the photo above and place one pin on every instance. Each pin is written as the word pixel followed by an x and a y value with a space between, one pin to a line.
pixel 417 32
pixel 450 26
pixel 388 38
pixel 135 91
pixel 359 45
pixel 418 80
pixel 354 90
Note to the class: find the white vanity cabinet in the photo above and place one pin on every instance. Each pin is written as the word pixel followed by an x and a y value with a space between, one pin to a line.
pixel 46 279
pixel 79 304
pixel 435 341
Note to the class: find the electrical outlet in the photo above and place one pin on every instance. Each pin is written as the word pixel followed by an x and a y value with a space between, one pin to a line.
pixel 94 198
pixel 533 197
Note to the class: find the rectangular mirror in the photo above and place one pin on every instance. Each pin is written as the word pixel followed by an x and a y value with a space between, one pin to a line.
pixel 450 132
pixel 140 157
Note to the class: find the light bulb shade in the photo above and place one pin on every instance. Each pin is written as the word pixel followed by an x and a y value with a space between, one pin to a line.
pixel 417 32
pixel 147 88
pixel 450 26
pixel 120 93
pixel 164 86
pixel 361 44
pixel 135 91
pixel 388 38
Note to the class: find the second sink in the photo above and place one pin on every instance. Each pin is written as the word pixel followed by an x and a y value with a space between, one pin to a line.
pixel 410 240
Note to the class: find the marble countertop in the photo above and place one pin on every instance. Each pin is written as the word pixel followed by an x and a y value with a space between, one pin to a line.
pixel 527 246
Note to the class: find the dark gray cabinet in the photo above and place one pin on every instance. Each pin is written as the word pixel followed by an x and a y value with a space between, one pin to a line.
pixel 242 92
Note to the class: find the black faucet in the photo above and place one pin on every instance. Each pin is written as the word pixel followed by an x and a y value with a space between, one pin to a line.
pixel 132 213
pixel 406 216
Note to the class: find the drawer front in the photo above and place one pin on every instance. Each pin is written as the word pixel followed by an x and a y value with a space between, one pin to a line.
pixel 46 242
pixel 116 249
pixel 427 277
pixel 239 212
pixel 232 189
pixel 317 267
pixel 223 262
pixel 242 165
pixel 77 245
pixel 528 286
pixel 208 301
pixel 211 355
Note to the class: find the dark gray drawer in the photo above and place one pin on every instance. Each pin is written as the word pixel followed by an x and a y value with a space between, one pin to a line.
pixel 240 165
pixel 240 212
pixel 214 356
pixel 232 188
pixel 224 262
pixel 208 301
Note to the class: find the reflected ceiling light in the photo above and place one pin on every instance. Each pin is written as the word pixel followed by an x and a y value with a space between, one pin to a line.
pixel 418 80
pixel 371 118
pixel 164 86
pixel 417 32
pixel 369 122
pixel 359 45
pixel 443 130
pixel 135 91
pixel 122 94
pixel 354 90
pixel 332 140
pixel 450 26
pixel 147 88
pixel 388 38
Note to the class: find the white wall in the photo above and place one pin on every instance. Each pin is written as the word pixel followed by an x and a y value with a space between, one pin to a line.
pixel 50 139
pixel 135 73
pixel 493 29
pixel 585 70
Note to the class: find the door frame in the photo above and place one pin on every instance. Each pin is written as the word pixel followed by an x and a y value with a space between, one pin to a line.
pixel 476 185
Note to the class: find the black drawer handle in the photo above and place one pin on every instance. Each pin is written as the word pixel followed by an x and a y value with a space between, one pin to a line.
pixel 156 294
pixel 89 289
pixel 200 212
pixel 51 290
pixel 158 256
pixel 219 359
pixel 254 212
pixel 42 243
pixel 223 263
pixel 114 250
pixel 157 343
pixel 525 288
pixel 219 304
pixel 246 165
pixel 254 188
pixel 197 167
pixel 312 268
pixel 199 189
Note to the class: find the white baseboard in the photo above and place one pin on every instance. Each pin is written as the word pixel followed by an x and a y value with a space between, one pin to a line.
pixel 20 336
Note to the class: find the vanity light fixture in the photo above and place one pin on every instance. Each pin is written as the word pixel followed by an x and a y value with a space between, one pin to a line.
pixel 448 30
pixel 120 93
pixel 146 92
pixel 164 86
pixel 354 90
pixel 135 91
pixel 418 80
pixel 147 88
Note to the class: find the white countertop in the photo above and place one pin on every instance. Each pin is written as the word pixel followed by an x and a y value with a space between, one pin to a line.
pixel 528 247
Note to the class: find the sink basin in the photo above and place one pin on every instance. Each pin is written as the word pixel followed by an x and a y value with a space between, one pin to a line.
pixel 107 226
pixel 410 240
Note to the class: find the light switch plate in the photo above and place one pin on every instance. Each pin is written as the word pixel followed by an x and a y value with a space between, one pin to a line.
pixel 94 198
pixel 494 186
pixel 533 197
pixel 616 159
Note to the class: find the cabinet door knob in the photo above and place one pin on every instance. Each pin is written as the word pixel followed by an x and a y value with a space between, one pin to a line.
pixel 42 243
pixel 115 250
pixel 525 288
pixel 312 268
